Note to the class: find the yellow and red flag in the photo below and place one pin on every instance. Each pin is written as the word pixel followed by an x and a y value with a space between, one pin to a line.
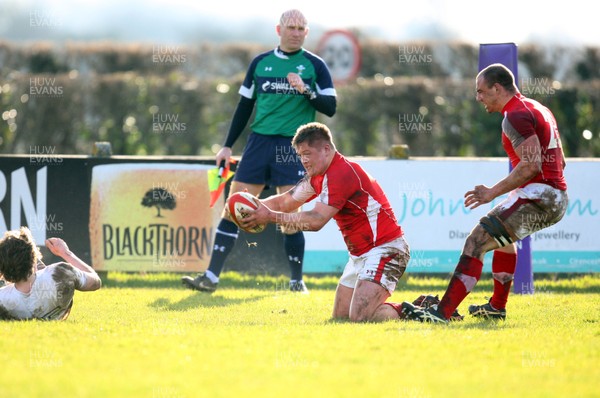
pixel 217 178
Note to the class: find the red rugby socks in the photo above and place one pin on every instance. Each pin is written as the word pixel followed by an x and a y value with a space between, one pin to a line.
pixel 503 272
pixel 466 275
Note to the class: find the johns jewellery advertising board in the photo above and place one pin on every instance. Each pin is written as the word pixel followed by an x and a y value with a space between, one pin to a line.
pixel 427 197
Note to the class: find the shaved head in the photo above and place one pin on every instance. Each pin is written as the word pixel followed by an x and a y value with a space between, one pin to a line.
pixel 293 18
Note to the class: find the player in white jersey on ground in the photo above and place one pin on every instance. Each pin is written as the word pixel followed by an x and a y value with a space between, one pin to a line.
pixel 36 291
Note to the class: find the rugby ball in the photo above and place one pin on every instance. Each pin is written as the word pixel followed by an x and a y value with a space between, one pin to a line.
pixel 238 205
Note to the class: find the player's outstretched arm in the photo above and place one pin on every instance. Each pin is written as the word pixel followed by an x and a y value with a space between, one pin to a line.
pixel 312 220
pixel 283 202
pixel 59 248
pixel 530 165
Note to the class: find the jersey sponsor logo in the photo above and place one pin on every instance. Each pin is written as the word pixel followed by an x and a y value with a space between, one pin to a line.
pixel 278 87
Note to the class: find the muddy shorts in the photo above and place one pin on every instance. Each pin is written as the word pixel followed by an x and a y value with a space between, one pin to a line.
pixel 383 265
pixel 530 209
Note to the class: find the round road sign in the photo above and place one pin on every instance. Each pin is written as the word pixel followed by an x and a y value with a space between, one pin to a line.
pixel 341 52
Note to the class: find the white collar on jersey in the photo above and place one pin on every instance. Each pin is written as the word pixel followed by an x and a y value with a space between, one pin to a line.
pixel 279 53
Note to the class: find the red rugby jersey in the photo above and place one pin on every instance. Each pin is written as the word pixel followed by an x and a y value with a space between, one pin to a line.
pixel 365 219
pixel 524 117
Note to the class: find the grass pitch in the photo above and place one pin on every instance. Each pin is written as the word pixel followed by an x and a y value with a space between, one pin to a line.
pixel 147 336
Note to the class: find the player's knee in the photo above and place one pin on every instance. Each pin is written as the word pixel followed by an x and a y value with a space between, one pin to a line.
pixel 495 228
pixel 338 316
pixel 477 237
pixel 477 242
pixel 361 313
pixel 359 317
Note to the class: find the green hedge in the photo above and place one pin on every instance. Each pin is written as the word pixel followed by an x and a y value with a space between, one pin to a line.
pixel 174 100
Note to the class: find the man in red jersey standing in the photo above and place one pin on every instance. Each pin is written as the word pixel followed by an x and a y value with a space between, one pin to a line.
pixel 345 192
pixel 537 197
